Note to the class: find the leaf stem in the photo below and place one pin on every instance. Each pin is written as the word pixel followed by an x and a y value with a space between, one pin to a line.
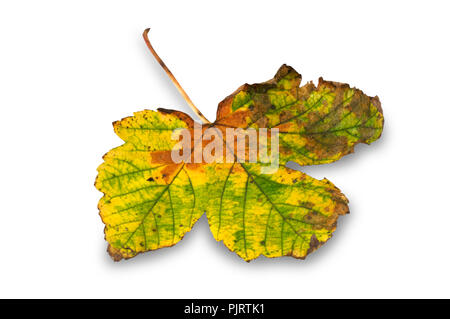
pixel 174 80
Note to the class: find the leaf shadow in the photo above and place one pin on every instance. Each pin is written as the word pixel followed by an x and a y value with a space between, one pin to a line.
pixel 222 253
pixel 161 255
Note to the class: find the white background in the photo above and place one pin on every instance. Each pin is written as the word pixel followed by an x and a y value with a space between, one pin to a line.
pixel 70 68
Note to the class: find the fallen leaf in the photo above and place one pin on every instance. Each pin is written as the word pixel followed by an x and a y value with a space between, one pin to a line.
pixel 150 202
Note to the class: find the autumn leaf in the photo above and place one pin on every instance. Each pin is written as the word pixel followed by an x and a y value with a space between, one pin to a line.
pixel 151 202
pixel 145 205
pixel 317 125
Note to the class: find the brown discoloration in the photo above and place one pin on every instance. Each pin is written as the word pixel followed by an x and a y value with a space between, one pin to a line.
pixel 117 255
pixel 161 157
pixel 327 146
pixel 170 171
pixel 376 102
pixel 304 91
pixel 360 104
pixel 236 119
pixel 181 115
pixel 114 253
pixel 261 121
pixel 313 244
pixel 286 70
pixel 284 115
pixel 241 118
pixel 333 86
pixel 195 166
pixel 224 108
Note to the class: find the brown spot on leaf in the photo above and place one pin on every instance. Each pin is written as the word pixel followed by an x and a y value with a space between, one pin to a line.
pixel 313 244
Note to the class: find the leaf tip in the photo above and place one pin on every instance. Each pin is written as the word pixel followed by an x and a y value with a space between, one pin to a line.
pixel 114 253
